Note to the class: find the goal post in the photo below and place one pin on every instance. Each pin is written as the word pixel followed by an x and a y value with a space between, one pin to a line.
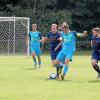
pixel 13 34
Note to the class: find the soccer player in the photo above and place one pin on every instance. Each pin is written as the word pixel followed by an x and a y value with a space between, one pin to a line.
pixel 54 38
pixel 34 39
pixel 96 49
pixel 68 49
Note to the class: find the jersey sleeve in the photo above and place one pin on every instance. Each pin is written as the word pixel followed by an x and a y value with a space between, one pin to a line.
pixel 29 36
pixel 75 33
pixel 58 35
pixel 40 35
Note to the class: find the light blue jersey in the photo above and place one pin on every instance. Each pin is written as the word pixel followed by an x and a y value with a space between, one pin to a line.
pixel 69 46
pixel 34 38
pixel 69 41
pixel 35 42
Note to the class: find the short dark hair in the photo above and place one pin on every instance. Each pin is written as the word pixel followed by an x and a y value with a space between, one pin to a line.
pixel 97 29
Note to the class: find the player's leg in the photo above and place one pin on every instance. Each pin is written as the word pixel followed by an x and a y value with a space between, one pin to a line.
pixel 33 56
pixel 39 61
pixel 95 65
pixel 59 65
pixel 68 57
pixel 38 53
pixel 65 69
pixel 53 59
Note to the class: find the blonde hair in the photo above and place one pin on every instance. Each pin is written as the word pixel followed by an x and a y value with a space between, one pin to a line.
pixel 65 25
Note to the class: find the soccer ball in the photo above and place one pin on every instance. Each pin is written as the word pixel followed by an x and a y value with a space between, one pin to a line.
pixel 52 76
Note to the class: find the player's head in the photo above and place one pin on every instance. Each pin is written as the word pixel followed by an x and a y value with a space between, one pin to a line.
pixel 96 31
pixel 54 28
pixel 34 27
pixel 65 27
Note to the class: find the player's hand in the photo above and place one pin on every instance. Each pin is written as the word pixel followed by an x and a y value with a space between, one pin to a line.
pixel 85 33
pixel 42 40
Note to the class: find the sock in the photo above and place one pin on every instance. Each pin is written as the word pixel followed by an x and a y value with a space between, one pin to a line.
pixel 65 69
pixel 39 62
pixel 96 67
pixel 57 70
pixel 34 59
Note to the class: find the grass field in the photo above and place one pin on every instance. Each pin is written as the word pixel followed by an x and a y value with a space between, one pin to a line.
pixel 18 80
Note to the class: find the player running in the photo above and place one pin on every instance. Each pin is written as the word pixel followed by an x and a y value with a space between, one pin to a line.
pixel 68 49
pixel 96 49
pixel 54 38
pixel 34 39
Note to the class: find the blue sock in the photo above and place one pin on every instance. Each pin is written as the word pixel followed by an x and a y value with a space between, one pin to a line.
pixel 34 59
pixel 65 69
pixel 40 63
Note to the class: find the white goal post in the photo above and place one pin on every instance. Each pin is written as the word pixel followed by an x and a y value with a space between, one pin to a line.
pixel 13 35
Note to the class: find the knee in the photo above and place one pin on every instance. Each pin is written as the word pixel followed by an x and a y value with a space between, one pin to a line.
pixel 33 54
pixel 93 63
pixel 66 62
pixel 55 63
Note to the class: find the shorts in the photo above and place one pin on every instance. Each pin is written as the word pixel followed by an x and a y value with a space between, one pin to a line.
pixel 54 54
pixel 35 49
pixel 96 57
pixel 62 56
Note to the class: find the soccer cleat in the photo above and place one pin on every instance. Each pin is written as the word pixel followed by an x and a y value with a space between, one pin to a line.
pixel 39 66
pixel 61 76
pixel 98 76
pixel 35 65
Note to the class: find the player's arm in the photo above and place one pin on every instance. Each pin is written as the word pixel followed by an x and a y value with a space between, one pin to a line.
pixel 41 37
pixel 28 39
pixel 91 44
pixel 60 39
pixel 46 38
pixel 84 34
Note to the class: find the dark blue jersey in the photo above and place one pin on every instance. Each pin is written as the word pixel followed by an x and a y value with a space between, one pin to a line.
pixel 96 45
pixel 54 40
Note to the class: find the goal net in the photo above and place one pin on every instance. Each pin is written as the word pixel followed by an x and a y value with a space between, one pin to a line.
pixel 13 34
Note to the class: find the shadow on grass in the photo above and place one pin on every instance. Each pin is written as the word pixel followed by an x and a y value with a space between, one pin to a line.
pixel 94 81
pixel 47 79
pixel 30 69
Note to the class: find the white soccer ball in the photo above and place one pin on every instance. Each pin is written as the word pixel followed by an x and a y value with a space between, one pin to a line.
pixel 52 76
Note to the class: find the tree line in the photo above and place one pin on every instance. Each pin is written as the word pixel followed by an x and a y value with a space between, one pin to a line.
pixel 79 14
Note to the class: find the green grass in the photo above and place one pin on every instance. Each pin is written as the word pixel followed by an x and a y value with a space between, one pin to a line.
pixel 18 80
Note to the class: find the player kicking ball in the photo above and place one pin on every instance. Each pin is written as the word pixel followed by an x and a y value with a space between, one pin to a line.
pixel 68 49
pixel 54 37
pixel 95 41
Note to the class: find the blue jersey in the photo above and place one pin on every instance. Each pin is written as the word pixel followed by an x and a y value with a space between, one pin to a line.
pixel 54 40
pixel 96 45
pixel 35 38
pixel 69 41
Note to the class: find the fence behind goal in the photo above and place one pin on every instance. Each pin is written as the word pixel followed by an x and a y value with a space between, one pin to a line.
pixel 13 34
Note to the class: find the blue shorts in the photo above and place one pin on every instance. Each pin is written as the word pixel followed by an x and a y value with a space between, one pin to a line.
pixel 96 57
pixel 54 54
pixel 62 56
pixel 36 50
